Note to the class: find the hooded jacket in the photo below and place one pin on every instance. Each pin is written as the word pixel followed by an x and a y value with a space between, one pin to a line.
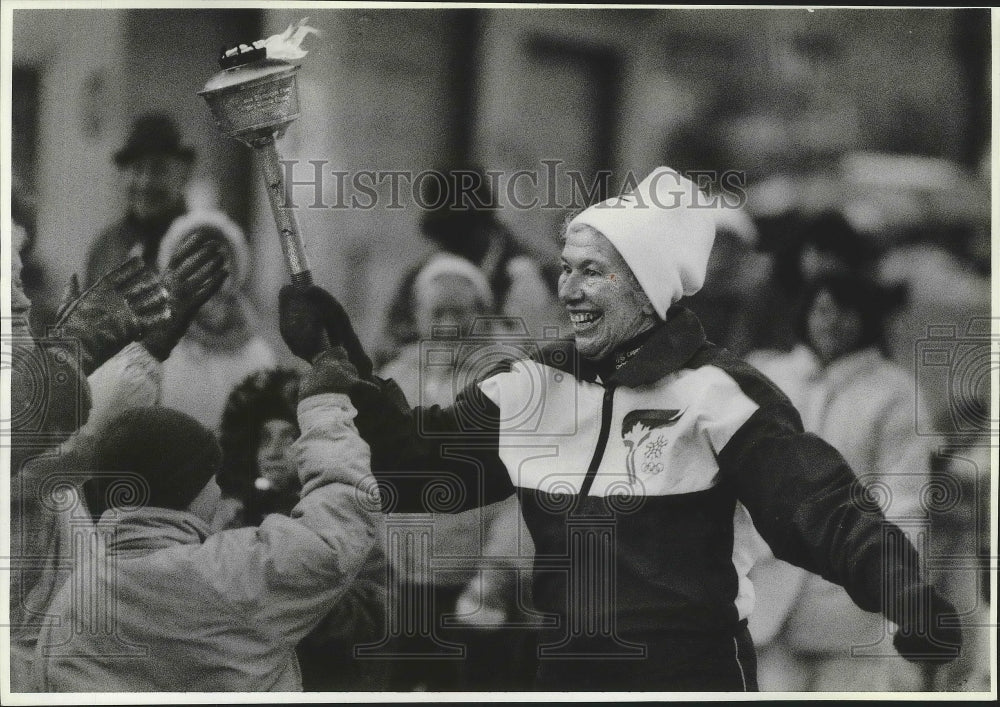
pixel 633 486
pixel 159 604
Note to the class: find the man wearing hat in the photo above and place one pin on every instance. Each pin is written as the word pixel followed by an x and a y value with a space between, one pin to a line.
pixel 639 456
pixel 157 167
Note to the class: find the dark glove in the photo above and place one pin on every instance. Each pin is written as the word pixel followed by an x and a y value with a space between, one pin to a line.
pixel 306 314
pixel 331 373
pixel 923 636
pixel 195 273
pixel 117 310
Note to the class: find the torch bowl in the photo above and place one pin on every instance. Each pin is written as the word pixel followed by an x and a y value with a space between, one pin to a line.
pixel 254 101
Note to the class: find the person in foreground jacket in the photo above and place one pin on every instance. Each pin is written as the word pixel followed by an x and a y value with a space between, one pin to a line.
pixel 192 611
pixel 635 456
pixel 56 413
pixel 257 477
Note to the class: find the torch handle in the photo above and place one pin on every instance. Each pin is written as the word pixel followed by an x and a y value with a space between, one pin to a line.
pixel 288 228
pixel 284 217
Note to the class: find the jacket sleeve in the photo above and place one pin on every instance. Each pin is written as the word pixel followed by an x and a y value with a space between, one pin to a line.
pixel 433 459
pixel 359 616
pixel 130 379
pixel 813 511
pixel 285 575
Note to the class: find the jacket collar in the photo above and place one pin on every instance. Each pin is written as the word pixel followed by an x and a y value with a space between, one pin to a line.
pixel 149 529
pixel 670 346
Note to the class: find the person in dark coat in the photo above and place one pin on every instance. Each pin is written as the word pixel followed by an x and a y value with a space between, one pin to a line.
pixel 157 167
pixel 642 457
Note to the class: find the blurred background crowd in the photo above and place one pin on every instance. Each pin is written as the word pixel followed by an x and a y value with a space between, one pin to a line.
pixel 851 264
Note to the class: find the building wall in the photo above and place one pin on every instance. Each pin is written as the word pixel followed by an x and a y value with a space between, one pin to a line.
pixel 758 90
pixel 78 55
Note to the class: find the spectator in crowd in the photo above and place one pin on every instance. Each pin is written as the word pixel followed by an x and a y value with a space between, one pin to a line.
pixel 803 248
pixel 196 611
pixel 829 243
pixel 258 477
pixel 460 218
pixel 33 276
pixel 20 303
pixel 946 273
pixel 629 453
pixel 849 394
pixel 729 306
pixel 157 168
pixel 189 366
pixel 222 345
pixel 51 402
pixel 451 298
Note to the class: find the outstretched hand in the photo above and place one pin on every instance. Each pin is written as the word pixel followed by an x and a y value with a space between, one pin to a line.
pixel 927 632
pixel 305 315
pixel 121 307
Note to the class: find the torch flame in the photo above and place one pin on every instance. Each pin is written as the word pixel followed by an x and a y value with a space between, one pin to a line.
pixel 287 44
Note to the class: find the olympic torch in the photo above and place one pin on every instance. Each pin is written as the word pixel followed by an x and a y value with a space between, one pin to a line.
pixel 254 99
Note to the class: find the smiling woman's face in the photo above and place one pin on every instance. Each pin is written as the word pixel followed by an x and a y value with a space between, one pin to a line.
pixel 605 302
pixel 274 454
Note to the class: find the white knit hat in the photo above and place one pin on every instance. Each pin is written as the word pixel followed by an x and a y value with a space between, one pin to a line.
pixel 447 264
pixel 664 230
pixel 239 263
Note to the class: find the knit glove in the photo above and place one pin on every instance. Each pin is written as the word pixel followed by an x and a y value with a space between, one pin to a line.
pixel 306 314
pixel 331 373
pixel 115 311
pixel 921 637
pixel 194 273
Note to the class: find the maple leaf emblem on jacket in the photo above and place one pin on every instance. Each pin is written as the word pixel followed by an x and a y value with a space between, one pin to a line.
pixel 638 427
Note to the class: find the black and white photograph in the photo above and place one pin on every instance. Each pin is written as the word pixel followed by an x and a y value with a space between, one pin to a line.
pixel 412 351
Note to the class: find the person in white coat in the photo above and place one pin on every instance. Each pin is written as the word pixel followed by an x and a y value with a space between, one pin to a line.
pixel 809 633
pixel 222 346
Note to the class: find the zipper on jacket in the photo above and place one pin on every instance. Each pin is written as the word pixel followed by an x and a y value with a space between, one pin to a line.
pixel 602 442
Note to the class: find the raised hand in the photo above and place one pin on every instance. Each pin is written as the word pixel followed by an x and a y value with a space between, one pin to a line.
pixel 305 315
pixel 196 271
pixel 331 372
pixel 121 307
pixel 923 636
